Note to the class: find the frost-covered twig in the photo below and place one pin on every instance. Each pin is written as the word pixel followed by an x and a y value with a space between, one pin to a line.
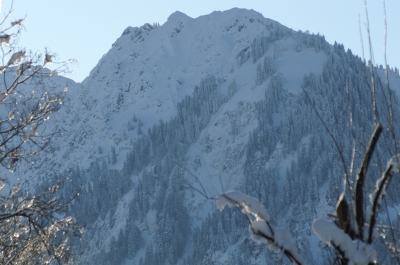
pixel 381 187
pixel 259 225
pixel 33 229
pixel 356 252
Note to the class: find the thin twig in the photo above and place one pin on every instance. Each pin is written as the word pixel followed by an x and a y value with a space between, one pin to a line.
pixel 361 38
pixel 346 174
pixel 371 66
pixel 387 83
pixel 202 191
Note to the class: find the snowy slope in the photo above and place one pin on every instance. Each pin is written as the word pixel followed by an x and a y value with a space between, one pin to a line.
pixel 142 80
pixel 149 70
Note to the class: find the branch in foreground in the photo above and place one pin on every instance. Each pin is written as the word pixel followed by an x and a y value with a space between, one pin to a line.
pixel 356 252
pixel 278 240
pixel 376 198
pixel 359 190
pixel 33 231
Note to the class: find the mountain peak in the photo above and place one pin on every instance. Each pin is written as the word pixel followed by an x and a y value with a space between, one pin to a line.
pixel 178 16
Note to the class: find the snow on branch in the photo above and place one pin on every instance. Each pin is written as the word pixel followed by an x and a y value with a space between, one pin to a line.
pixel 30 133
pixel 17 22
pixel 359 189
pixel 48 58
pixel 249 204
pixel 16 57
pixel 394 163
pixel 5 38
pixel 356 251
pixel 381 186
pixel 278 240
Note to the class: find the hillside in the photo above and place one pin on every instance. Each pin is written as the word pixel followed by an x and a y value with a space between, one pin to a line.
pixel 221 97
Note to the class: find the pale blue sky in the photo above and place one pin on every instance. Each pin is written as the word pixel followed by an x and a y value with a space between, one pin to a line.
pixel 85 29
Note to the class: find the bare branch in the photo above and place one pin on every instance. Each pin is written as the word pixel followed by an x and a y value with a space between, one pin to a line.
pixel 261 228
pixel 381 187
pixel 359 189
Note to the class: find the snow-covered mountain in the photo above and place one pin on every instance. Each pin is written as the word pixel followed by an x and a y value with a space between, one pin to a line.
pixel 220 97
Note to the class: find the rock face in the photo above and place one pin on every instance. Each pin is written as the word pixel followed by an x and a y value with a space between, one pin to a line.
pixel 220 97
